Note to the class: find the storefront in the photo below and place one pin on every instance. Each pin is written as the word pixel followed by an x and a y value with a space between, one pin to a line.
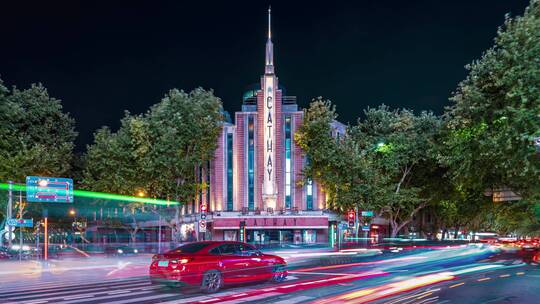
pixel 273 230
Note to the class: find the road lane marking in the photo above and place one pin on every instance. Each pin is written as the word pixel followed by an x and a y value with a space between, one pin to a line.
pixel 456 285
pixel 520 273
pixel 428 300
pixel 504 276
pixel 425 295
pixel 407 297
pixel 483 279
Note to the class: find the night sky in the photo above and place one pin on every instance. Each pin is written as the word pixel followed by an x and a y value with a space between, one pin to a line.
pixel 103 57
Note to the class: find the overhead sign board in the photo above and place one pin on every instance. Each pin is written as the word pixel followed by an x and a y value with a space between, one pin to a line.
pixel 49 189
pixel 367 213
pixel 20 222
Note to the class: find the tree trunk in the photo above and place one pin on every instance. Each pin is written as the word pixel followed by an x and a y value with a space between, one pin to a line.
pixel 176 225
pixel 395 231
pixel 133 234
pixel 456 232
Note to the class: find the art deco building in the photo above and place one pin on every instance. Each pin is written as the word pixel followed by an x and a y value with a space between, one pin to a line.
pixel 256 173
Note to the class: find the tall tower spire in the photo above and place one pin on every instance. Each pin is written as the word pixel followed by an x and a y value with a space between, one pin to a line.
pixel 269 67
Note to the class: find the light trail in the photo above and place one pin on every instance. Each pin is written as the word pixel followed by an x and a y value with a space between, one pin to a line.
pixel 103 195
pixel 387 290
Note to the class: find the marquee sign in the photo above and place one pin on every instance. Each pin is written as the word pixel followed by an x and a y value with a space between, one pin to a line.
pixel 269 113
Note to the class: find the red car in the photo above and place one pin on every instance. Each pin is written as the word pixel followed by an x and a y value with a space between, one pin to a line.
pixel 211 264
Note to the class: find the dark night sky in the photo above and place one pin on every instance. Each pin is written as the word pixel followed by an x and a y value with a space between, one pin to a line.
pixel 101 58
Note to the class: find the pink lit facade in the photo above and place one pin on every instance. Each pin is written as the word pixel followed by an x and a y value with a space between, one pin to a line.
pixel 256 176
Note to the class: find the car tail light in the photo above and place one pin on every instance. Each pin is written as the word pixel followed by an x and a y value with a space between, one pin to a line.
pixel 181 261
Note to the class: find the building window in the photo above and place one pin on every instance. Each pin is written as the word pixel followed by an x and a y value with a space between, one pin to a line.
pixel 229 172
pixel 251 163
pixel 288 162
pixel 309 191
pixel 309 195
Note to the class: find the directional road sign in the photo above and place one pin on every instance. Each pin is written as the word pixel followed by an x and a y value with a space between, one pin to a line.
pixel 20 222
pixel 367 213
pixel 49 189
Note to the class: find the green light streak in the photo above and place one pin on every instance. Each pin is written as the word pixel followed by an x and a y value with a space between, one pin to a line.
pixel 102 195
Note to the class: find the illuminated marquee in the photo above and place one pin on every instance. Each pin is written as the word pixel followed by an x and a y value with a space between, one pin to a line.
pixel 269 139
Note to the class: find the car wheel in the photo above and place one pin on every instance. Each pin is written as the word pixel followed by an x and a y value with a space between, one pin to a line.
pixel 278 274
pixel 211 281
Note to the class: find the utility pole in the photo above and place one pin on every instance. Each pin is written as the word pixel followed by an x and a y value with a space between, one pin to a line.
pixel 10 210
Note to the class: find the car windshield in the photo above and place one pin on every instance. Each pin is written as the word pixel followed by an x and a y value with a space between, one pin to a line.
pixel 190 248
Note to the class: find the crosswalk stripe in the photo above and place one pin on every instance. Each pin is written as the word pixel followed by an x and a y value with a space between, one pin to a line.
pixel 252 298
pixel 137 300
pixel 93 290
pixel 186 300
pixel 106 297
pixel 63 286
pixel 77 297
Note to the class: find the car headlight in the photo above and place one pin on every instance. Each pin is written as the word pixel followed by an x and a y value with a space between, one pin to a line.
pixel 120 251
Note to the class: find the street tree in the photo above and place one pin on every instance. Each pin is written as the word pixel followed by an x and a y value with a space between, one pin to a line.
pixel 36 136
pixel 158 154
pixel 495 115
pixel 115 163
pixel 184 128
pixel 402 149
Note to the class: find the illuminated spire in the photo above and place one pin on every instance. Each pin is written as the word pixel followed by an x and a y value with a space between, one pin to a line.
pixel 269 23
pixel 269 68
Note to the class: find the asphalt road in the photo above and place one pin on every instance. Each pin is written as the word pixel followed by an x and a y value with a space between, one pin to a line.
pixel 454 275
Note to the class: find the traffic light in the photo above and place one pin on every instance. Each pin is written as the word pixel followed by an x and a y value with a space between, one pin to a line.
pixel 242 231
pixel 351 219
pixel 203 211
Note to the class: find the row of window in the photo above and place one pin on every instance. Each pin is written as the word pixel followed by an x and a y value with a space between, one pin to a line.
pixel 251 167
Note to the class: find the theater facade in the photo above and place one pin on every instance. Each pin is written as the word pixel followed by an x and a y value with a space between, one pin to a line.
pixel 255 192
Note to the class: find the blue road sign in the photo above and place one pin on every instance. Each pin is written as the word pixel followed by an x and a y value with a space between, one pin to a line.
pixel 367 213
pixel 365 228
pixel 20 222
pixel 49 189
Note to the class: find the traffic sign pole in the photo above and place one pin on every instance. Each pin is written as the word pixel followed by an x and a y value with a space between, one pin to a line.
pixel 159 234
pixel 10 210
pixel 46 240
pixel 20 243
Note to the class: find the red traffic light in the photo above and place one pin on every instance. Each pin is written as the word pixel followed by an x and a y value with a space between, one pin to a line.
pixel 203 208
pixel 351 214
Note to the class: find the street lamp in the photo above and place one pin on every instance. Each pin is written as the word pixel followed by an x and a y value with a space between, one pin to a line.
pixel 72 212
